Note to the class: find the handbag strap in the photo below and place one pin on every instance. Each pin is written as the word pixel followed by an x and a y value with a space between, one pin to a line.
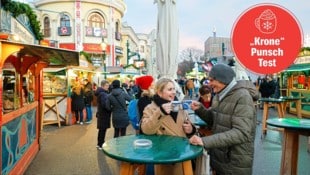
pixel 119 102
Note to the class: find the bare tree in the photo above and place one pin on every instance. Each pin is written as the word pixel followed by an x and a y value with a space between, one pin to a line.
pixel 191 54
pixel 187 58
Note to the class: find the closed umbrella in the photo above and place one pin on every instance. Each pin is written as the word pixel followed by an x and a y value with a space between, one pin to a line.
pixel 167 42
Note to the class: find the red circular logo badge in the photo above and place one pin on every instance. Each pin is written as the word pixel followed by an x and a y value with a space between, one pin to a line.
pixel 266 38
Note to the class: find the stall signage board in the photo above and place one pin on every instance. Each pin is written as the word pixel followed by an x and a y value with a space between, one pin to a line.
pixel 266 38
pixel 302 60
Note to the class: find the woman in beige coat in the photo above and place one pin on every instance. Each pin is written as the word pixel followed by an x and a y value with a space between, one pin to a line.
pixel 158 118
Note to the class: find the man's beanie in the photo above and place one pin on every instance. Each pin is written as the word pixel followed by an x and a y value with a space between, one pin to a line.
pixel 222 73
pixel 144 82
pixel 116 83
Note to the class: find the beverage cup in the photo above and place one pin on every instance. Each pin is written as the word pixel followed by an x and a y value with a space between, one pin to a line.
pixel 176 106
pixel 186 104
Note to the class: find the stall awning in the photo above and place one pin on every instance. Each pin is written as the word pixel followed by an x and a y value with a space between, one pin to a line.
pixel 298 67
pixel 50 55
pixel 53 56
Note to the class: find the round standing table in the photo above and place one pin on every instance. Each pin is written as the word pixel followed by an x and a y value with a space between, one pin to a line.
pixel 164 150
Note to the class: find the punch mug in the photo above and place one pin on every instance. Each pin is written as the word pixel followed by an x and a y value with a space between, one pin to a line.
pixel 186 104
pixel 266 22
pixel 176 105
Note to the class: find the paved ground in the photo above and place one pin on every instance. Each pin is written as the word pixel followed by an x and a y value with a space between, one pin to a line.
pixel 70 150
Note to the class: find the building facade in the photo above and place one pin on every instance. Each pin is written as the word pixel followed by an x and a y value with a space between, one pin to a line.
pixel 217 46
pixel 83 26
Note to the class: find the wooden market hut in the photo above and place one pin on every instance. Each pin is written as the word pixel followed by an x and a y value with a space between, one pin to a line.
pixel 21 103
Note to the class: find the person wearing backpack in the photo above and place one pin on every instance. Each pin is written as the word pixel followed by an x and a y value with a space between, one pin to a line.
pixel 144 83
pixel 103 115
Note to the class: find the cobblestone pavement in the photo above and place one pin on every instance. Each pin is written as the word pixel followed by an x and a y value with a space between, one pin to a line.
pixel 71 150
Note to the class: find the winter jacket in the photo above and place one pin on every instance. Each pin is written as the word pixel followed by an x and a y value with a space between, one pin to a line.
pixel 190 84
pixel 77 101
pixel 156 122
pixel 116 103
pixel 233 122
pixel 103 114
pixel 89 96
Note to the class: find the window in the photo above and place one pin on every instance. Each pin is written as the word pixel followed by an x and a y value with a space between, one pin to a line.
pixel 142 49
pixel 64 21
pixel 117 33
pixel 47 28
pixel 95 20
pixel 117 27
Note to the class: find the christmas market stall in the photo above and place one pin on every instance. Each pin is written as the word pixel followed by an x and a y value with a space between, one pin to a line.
pixel 295 80
pixel 22 99
pixel 57 85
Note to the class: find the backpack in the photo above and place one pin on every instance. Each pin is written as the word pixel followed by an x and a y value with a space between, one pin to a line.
pixel 133 113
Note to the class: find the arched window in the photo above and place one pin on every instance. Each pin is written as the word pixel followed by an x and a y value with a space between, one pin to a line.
pixel 64 21
pixel 117 33
pixel 47 27
pixel 96 20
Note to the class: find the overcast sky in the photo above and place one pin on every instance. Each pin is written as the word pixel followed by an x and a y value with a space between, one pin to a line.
pixel 197 18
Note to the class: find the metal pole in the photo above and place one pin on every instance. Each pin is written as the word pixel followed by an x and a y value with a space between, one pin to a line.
pixel 104 48
pixel 104 66
pixel 128 51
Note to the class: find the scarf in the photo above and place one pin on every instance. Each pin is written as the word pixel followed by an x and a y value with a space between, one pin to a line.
pixel 159 101
pixel 222 94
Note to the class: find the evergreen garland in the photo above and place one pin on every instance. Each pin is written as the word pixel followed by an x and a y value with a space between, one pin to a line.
pixel 18 8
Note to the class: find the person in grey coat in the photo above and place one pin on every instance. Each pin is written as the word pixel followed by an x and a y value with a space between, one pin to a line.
pixel 116 103
pixel 232 117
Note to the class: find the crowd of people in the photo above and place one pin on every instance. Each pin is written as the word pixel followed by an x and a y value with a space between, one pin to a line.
pixel 224 102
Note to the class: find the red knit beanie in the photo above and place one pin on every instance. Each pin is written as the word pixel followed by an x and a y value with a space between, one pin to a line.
pixel 144 82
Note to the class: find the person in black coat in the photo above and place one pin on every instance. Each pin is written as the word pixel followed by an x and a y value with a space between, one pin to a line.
pixel 103 115
pixel 267 87
pixel 77 102
pixel 116 103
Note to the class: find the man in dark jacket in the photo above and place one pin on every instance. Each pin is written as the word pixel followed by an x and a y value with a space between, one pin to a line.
pixel 103 115
pixel 232 118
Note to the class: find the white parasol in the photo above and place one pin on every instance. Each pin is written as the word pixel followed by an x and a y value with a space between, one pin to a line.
pixel 167 42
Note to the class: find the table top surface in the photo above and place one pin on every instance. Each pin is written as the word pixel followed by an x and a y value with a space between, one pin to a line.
pixel 281 99
pixel 196 120
pixel 164 149
pixel 273 100
pixel 291 98
pixel 290 123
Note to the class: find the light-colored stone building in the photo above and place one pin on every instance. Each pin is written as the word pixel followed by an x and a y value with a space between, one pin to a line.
pixel 85 25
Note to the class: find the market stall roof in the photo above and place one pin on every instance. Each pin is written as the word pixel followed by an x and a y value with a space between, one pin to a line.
pixel 53 56
pixel 298 67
